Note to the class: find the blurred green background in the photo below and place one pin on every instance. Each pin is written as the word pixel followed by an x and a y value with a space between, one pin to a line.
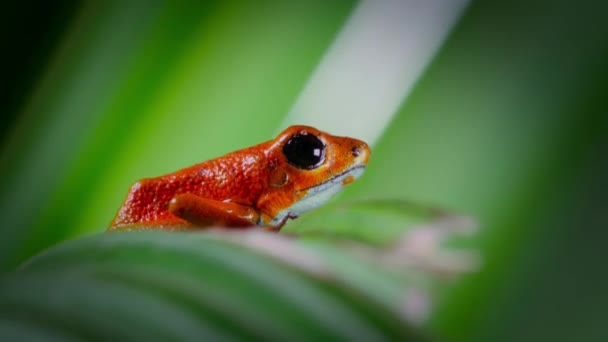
pixel 508 123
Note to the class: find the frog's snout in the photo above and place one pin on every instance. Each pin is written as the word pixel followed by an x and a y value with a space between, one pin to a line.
pixel 360 151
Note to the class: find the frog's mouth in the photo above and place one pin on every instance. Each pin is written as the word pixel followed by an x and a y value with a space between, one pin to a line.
pixel 353 172
pixel 317 195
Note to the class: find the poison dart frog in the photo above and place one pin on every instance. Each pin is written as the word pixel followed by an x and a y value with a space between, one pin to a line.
pixel 263 185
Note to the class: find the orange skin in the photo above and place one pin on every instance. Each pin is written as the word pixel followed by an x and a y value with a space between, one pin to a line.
pixel 249 187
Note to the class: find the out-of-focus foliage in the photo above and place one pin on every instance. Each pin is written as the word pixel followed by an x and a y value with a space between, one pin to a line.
pixel 508 124
pixel 187 286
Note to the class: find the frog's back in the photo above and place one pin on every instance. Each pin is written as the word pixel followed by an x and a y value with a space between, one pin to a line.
pixel 237 177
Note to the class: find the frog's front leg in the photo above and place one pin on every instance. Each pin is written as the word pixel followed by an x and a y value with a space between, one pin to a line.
pixel 204 212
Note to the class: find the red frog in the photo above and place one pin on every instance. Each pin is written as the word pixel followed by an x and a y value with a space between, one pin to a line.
pixel 263 185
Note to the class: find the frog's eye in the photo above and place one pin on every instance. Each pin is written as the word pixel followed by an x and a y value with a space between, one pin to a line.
pixel 304 151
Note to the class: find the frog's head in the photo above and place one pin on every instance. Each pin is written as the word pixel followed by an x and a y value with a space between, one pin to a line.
pixel 306 168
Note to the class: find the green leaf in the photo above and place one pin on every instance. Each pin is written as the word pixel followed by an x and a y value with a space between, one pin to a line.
pixel 379 221
pixel 184 286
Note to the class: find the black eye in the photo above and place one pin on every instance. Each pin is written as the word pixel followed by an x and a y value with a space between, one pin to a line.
pixel 304 151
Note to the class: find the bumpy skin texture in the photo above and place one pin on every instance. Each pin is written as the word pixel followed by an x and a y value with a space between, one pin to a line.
pixel 243 188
